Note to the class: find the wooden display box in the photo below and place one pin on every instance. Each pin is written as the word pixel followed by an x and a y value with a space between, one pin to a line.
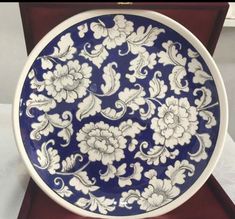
pixel 205 20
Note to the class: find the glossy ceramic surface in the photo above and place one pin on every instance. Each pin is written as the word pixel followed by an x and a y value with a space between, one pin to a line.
pixel 118 113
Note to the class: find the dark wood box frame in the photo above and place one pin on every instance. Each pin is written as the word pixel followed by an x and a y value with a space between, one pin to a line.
pixel 205 20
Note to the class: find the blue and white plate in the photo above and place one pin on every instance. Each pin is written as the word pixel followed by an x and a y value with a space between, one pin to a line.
pixel 120 113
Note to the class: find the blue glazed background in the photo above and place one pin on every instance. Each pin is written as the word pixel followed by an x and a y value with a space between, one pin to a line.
pixel 109 189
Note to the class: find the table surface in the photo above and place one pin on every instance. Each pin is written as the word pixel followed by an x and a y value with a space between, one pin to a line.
pixel 14 176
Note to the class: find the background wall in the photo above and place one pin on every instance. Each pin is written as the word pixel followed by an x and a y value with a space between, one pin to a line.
pixel 13 56
pixel 225 58
pixel 12 50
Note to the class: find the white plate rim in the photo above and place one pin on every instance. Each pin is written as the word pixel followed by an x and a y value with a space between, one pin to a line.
pixel 189 37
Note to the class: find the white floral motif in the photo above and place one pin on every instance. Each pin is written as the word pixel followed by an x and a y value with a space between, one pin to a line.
pixel 200 76
pixel 176 124
pixel 81 182
pixel 92 104
pixel 132 98
pixel 104 205
pixel 102 142
pixel 204 103
pixel 40 102
pixel 143 37
pixel 119 172
pixel 177 173
pixel 88 107
pixel 64 50
pixel 68 82
pixel 64 190
pixel 130 128
pixel 158 193
pixel 156 154
pixel 136 175
pixel 171 57
pixel 82 29
pixel 129 198
pixel 96 56
pixel 157 88
pixel 35 83
pixel 47 123
pixel 114 36
pixel 142 60
pixel 48 158
pixel 204 142
pixel 111 78
pixel 70 162
pixel 132 145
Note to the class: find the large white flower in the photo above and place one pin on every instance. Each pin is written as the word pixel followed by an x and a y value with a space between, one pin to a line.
pixel 158 193
pixel 176 124
pixel 114 36
pixel 102 142
pixel 68 82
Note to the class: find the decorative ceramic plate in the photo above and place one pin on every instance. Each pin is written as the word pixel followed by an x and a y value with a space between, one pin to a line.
pixel 120 113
